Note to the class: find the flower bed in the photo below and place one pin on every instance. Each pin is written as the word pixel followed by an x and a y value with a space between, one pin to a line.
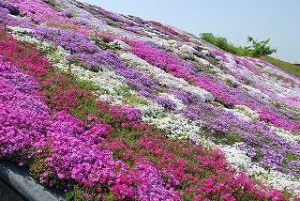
pixel 112 118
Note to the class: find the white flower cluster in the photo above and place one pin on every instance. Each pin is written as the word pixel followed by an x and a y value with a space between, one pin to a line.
pixel 242 162
pixel 244 113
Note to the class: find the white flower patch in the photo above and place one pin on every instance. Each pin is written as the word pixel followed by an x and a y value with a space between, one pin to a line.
pixel 163 43
pixel 175 125
pixel 20 30
pixel 205 52
pixel 285 134
pixel 250 114
pixel 111 84
pixel 270 68
pixel 256 92
pixel 185 51
pixel 206 63
pixel 81 15
pixel 21 34
pixel 265 84
pixel 243 113
pixel 242 162
pixel 120 44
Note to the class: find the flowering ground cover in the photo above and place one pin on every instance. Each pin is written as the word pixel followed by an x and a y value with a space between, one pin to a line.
pixel 66 138
pixel 138 110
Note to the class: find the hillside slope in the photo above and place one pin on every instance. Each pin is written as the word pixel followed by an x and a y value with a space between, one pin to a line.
pixel 113 107
pixel 286 66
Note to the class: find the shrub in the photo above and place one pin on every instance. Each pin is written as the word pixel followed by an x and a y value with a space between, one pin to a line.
pixel 260 48
pixel 223 44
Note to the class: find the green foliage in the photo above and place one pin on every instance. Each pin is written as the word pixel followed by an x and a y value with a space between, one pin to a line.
pixel 38 164
pixel 109 197
pixel 223 44
pixel 187 198
pixel 228 138
pixel 291 157
pixel 231 83
pixel 52 3
pixel 88 85
pixel 260 48
pixel 71 15
pixel 103 44
pixel 134 100
pixel 75 195
pixel 3 33
pixel 80 194
pixel 259 155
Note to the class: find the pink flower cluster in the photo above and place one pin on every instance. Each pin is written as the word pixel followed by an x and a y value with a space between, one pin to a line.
pixel 31 60
pixel 161 59
pixel 39 12
pixel 169 31
pixel 273 118
pixel 216 89
pixel 197 174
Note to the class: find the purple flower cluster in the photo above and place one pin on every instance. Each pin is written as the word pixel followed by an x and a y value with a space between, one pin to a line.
pixel 153 187
pixel 146 86
pixel 266 110
pixel 74 152
pixel 162 60
pixel 40 12
pixel 23 117
pixel 264 146
pixel 69 40
pixel 6 12
pixel 12 9
pixel 115 17
pixel 187 97
pixel 125 114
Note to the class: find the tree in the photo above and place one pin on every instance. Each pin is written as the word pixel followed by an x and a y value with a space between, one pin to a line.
pixel 260 48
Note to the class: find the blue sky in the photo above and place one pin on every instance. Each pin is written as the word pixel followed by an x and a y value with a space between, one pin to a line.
pixel 234 19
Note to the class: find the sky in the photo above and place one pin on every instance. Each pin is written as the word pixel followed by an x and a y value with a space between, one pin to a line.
pixel 278 20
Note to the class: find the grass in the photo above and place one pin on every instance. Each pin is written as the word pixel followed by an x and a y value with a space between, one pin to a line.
pixel 288 67
pixel 52 3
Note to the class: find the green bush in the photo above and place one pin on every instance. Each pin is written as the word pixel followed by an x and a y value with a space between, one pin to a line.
pixel 223 44
pixel 260 48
